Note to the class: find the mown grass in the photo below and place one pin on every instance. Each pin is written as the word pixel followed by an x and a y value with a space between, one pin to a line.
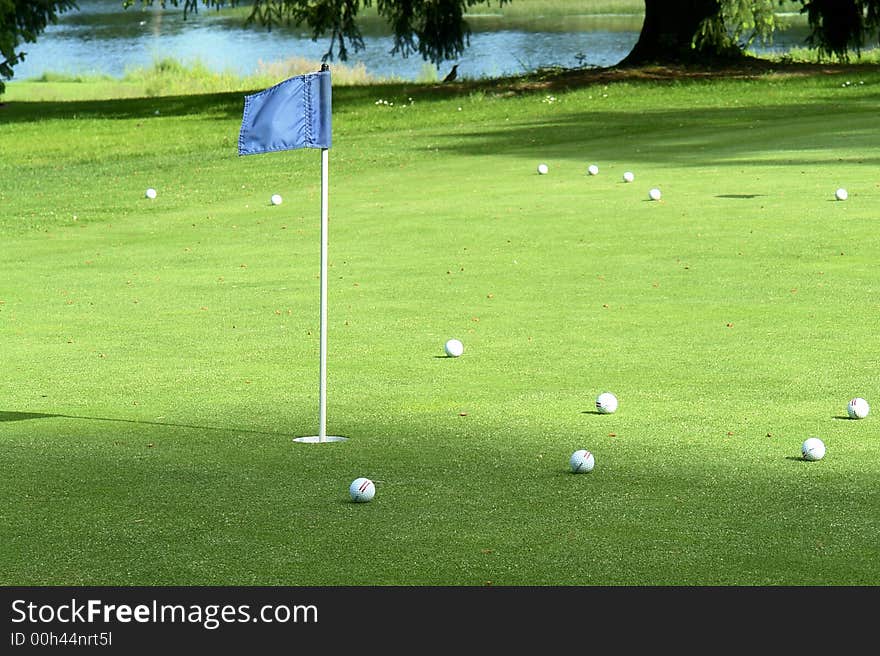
pixel 161 355
pixel 810 55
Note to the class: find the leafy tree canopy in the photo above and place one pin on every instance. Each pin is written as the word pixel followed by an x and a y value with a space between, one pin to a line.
pixel 21 21
pixel 840 26
pixel 437 29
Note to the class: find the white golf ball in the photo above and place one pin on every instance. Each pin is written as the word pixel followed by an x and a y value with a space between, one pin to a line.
pixel 453 348
pixel 606 403
pixel 276 199
pixel 628 176
pixel 841 194
pixel 813 449
pixel 654 194
pixel 362 489
pixel 857 408
pixel 593 169
pixel 582 461
pixel 542 169
pixel 150 193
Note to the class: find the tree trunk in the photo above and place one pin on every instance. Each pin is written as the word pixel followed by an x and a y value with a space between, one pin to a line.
pixel 669 29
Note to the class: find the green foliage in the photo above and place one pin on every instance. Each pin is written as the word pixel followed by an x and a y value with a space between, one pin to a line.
pixel 750 20
pixel 726 28
pixel 22 21
pixel 731 26
pixel 434 29
pixel 838 28
pixel 737 25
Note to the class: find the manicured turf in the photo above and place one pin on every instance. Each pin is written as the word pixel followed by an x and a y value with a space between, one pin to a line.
pixel 160 355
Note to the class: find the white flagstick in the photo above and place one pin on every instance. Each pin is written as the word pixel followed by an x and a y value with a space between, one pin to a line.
pixel 322 436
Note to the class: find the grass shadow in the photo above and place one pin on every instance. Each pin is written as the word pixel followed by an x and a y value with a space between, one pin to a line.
pixel 707 131
pixel 223 105
pixel 22 416
pixel 220 105
pixel 667 134
pixel 7 415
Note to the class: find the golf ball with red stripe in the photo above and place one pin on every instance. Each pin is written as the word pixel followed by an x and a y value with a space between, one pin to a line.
pixel 857 408
pixel 362 489
pixel 582 461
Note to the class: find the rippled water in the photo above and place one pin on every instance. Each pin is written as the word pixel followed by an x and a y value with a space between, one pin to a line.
pixel 104 38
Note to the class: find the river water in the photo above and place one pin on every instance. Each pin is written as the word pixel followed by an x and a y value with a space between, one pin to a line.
pixel 103 38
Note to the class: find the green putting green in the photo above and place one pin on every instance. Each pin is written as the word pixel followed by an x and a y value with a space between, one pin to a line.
pixel 160 355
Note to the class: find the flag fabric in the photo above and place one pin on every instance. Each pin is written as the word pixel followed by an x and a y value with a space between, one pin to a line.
pixel 292 114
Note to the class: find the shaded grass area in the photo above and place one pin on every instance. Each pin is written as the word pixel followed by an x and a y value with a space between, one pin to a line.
pixel 161 355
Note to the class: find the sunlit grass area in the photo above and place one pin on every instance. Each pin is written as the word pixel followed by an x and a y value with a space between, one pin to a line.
pixel 160 354
pixel 812 55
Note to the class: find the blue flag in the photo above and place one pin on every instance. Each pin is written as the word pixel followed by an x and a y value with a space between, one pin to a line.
pixel 292 114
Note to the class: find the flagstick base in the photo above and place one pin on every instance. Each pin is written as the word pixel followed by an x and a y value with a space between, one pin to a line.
pixel 316 439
